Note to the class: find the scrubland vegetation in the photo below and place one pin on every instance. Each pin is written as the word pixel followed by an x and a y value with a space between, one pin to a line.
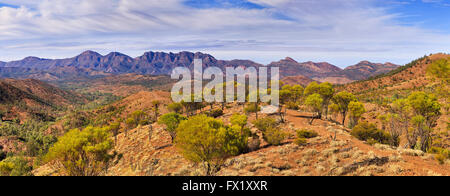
pixel 85 145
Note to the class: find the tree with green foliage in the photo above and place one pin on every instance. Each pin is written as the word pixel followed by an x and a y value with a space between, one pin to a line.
pixel 416 116
pixel 206 140
pixel 325 90
pixel 426 110
pixel 82 153
pixel 314 102
pixel 426 105
pixel 342 100
pixel 356 110
pixel 171 121
pixel 286 96
pixel 312 88
pixel 297 93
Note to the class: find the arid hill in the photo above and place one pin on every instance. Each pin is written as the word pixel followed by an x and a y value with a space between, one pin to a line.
pixel 406 77
pixel 366 69
pixel 24 99
pixel 377 92
pixel 147 151
pixel 293 80
pixel 325 72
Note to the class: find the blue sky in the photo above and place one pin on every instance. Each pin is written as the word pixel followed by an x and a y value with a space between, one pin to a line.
pixel 342 32
pixel 431 14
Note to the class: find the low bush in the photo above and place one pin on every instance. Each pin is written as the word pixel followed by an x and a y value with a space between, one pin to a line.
pixel 441 154
pixel 368 132
pixel 15 166
pixel 292 105
pixel 274 136
pixel 304 133
pixel 252 109
pixel 301 141
pixel 263 124
pixel 215 113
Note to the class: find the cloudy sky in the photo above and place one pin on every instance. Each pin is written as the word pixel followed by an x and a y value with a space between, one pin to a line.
pixel 342 32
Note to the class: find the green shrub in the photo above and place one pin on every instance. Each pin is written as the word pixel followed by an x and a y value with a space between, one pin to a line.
pixel 32 133
pixel 175 107
pixel 215 113
pixel 263 124
pixel 131 123
pixel 365 131
pixel 304 133
pixel 171 120
pixel 372 141
pixel 441 154
pixel 15 166
pixel 440 158
pixel 301 141
pixel 203 139
pixel 292 105
pixel 251 108
pixel 82 153
pixel 274 136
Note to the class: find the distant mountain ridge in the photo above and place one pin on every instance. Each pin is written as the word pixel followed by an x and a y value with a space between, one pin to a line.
pixel 90 63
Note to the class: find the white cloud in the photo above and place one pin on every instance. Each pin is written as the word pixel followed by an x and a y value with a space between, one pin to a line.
pixel 340 31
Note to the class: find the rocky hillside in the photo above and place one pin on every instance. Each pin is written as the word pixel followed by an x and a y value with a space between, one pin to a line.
pixel 293 80
pixel 147 151
pixel 46 92
pixel 366 69
pixel 325 72
pixel 406 77
pixel 24 99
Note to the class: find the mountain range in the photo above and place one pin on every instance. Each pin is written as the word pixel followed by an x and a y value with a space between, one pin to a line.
pixel 93 64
